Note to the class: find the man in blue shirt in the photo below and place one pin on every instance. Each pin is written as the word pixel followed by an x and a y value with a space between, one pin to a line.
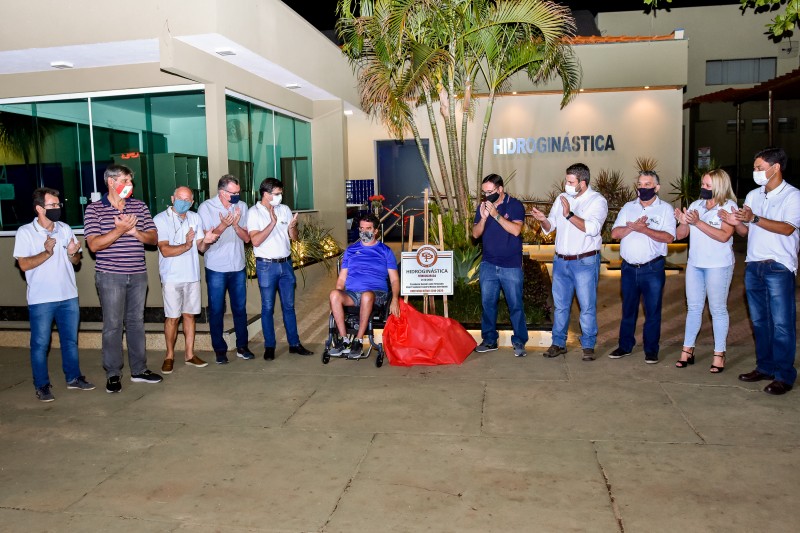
pixel 362 282
pixel 498 221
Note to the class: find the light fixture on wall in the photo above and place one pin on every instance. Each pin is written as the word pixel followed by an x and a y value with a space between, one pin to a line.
pixel 61 65
pixel 225 52
pixel 646 87
pixel 513 92
pixel 292 86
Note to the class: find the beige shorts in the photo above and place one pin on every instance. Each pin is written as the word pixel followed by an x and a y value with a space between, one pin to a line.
pixel 181 298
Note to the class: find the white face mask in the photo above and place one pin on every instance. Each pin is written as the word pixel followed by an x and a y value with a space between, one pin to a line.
pixel 276 200
pixel 760 177
pixel 571 190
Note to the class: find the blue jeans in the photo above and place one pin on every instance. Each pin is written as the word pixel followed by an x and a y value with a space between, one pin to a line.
pixel 645 283
pixel 122 298
pixel 66 314
pixel 492 279
pixel 272 278
pixel 715 284
pixel 575 278
pixel 236 285
pixel 770 289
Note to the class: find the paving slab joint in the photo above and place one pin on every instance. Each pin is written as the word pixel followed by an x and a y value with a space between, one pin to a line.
pixel 611 498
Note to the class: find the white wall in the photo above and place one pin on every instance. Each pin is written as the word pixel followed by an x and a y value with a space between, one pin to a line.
pixel 641 123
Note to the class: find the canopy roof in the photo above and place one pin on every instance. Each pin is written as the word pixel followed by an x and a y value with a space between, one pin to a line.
pixel 786 87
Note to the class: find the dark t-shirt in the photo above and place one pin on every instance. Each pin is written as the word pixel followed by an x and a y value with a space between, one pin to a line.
pixel 500 248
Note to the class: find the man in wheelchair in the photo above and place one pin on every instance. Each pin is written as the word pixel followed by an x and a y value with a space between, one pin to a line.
pixel 362 284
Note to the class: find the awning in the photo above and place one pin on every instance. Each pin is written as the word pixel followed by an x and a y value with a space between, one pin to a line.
pixel 786 87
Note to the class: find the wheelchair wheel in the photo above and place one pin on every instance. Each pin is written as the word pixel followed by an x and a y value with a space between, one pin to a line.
pixel 379 358
pixel 326 357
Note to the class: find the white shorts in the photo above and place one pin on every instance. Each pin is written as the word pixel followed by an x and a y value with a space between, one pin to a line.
pixel 181 298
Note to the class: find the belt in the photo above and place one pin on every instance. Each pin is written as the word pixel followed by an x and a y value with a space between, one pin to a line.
pixel 281 260
pixel 579 256
pixel 659 258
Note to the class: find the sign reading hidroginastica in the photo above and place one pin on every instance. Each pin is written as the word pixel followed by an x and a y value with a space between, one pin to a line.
pixel 426 271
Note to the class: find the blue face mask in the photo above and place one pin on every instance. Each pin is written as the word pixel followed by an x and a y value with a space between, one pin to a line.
pixel 182 206
pixel 235 198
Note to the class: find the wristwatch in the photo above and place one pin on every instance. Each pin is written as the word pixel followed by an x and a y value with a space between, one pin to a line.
pixel 755 220
pixel 570 215
pixel 497 217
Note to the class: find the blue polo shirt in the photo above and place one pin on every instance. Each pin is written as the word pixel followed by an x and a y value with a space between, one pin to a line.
pixel 368 266
pixel 500 248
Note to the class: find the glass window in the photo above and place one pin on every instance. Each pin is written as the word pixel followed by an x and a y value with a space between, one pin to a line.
pixel 160 136
pixel 263 143
pixel 740 71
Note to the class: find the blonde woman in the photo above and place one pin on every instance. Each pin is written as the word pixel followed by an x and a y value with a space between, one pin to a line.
pixel 710 267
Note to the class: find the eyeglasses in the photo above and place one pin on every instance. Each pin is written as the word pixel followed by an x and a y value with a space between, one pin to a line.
pixel 53 206
pixel 231 192
pixel 489 193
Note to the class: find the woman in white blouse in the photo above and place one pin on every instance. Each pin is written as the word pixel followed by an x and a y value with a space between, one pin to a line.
pixel 710 267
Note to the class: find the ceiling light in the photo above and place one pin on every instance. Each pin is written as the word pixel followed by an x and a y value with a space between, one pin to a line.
pixel 646 86
pixel 293 85
pixel 225 52
pixel 581 90
pixel 514 92
pixel 61 64
pixel 348 112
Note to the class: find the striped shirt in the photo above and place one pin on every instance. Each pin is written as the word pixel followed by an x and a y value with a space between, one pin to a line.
pixel 126 254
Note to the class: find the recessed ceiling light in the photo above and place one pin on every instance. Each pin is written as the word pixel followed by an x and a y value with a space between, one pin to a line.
pixel 225 51
pixel 348 112
pixel 293 85
pixel 61 64
pixel 646 86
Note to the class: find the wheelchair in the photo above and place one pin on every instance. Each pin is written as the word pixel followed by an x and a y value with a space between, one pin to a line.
pixel 352 322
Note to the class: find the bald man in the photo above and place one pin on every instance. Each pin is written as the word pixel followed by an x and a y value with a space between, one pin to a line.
pixel 180 238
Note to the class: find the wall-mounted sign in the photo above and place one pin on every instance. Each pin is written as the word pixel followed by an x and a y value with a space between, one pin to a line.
pixel 704 157
pixel 426 271
pixel 543 145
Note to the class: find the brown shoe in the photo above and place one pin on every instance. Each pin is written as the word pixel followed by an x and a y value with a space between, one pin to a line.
pixel 554 351
pixel 196 361
pixel 588 354
pixel 166 368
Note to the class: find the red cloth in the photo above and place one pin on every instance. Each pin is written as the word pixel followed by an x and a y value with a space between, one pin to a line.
pixel 415 338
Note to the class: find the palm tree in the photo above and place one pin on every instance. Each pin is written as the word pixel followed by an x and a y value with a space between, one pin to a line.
pixel 413 53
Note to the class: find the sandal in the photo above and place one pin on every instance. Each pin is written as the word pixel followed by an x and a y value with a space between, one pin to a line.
pixel 689 360
pixel 717 369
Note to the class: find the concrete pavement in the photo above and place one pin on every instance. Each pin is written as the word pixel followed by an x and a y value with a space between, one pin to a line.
pixel 497 444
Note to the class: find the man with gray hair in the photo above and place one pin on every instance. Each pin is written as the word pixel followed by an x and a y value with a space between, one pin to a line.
pixel 180 240
pixel 578 216
pixel 644 227
pixel 226 216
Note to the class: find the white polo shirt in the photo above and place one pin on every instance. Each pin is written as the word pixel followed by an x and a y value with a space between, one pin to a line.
pixel 781 204
pixel 637 248
pixel 277 245
pixel 227 252
pixel 53 280
pixel 593 209
pixel 705 252
pixel 183 268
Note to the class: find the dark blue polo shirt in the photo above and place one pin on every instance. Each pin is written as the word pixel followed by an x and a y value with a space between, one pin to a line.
pixel 500 248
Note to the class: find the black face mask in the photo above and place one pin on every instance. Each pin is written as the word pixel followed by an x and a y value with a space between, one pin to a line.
pixel 53 215
pixel 493 197
pixel 646 195
pixel 705 194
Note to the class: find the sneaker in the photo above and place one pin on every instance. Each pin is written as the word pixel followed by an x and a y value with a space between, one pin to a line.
pixel 588 354
pixel 619 353
pixel 113 384
pixel 146 377
pixel 245 353
pixel 196 361
pixel 222 358
pixel 519 351
pixel 356 348
pixel 44 394
pixel 651 358
pixel 555 351
pixel 80 383
pixel 484 347
pixel 340 346
pixel 166 366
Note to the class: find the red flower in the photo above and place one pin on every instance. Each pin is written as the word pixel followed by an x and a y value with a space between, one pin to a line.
pixel 377 198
